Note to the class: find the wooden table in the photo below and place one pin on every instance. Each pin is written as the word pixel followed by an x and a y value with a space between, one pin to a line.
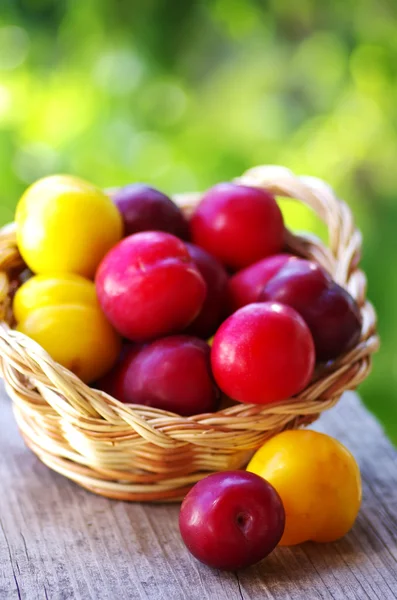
pixel 59 542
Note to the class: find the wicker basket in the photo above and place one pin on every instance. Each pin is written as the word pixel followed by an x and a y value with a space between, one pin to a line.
pixel 143 454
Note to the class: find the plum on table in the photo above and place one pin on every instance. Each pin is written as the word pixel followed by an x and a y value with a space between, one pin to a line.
pixel 231 520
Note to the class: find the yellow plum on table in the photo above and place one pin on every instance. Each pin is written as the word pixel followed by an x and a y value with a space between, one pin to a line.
pixel 318 481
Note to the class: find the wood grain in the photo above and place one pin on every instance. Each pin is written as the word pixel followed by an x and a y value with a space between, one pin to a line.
pixel 58 542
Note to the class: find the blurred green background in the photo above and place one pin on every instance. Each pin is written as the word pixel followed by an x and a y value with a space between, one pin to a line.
pixel 184 94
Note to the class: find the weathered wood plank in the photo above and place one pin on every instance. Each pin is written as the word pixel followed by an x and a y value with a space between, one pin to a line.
pixel 58 542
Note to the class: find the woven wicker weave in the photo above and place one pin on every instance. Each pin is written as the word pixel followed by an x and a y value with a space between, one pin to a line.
pixel 143 454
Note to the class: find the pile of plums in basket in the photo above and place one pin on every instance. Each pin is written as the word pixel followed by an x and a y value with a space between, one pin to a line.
pixel 179 312
pixel 268 315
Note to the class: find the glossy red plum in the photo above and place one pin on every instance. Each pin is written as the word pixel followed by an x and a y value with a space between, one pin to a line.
pixel 237 224
pixel 148 286
pixel 263 353
pixel 231 520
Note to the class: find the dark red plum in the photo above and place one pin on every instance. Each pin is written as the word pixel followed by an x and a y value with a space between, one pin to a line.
pixel 214 307
pixel 172 373
pixel 246 286
pixel 331 314
pixel 144 208
pixel 232 520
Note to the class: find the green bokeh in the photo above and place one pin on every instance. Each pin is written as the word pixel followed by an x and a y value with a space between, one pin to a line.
pixel 185 94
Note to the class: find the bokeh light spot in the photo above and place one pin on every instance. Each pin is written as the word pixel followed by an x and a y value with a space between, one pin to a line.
pixel 118 71
pixel 14 47
pixel 34 161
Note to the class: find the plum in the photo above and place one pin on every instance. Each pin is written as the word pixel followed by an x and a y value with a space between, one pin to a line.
pixel 263 353
pixel 246 286
pixel 148 286
pixel 144 208
pixel 214 307
pixel 238 225
pixel 232 520
pixel 330 312
pixel 172 373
